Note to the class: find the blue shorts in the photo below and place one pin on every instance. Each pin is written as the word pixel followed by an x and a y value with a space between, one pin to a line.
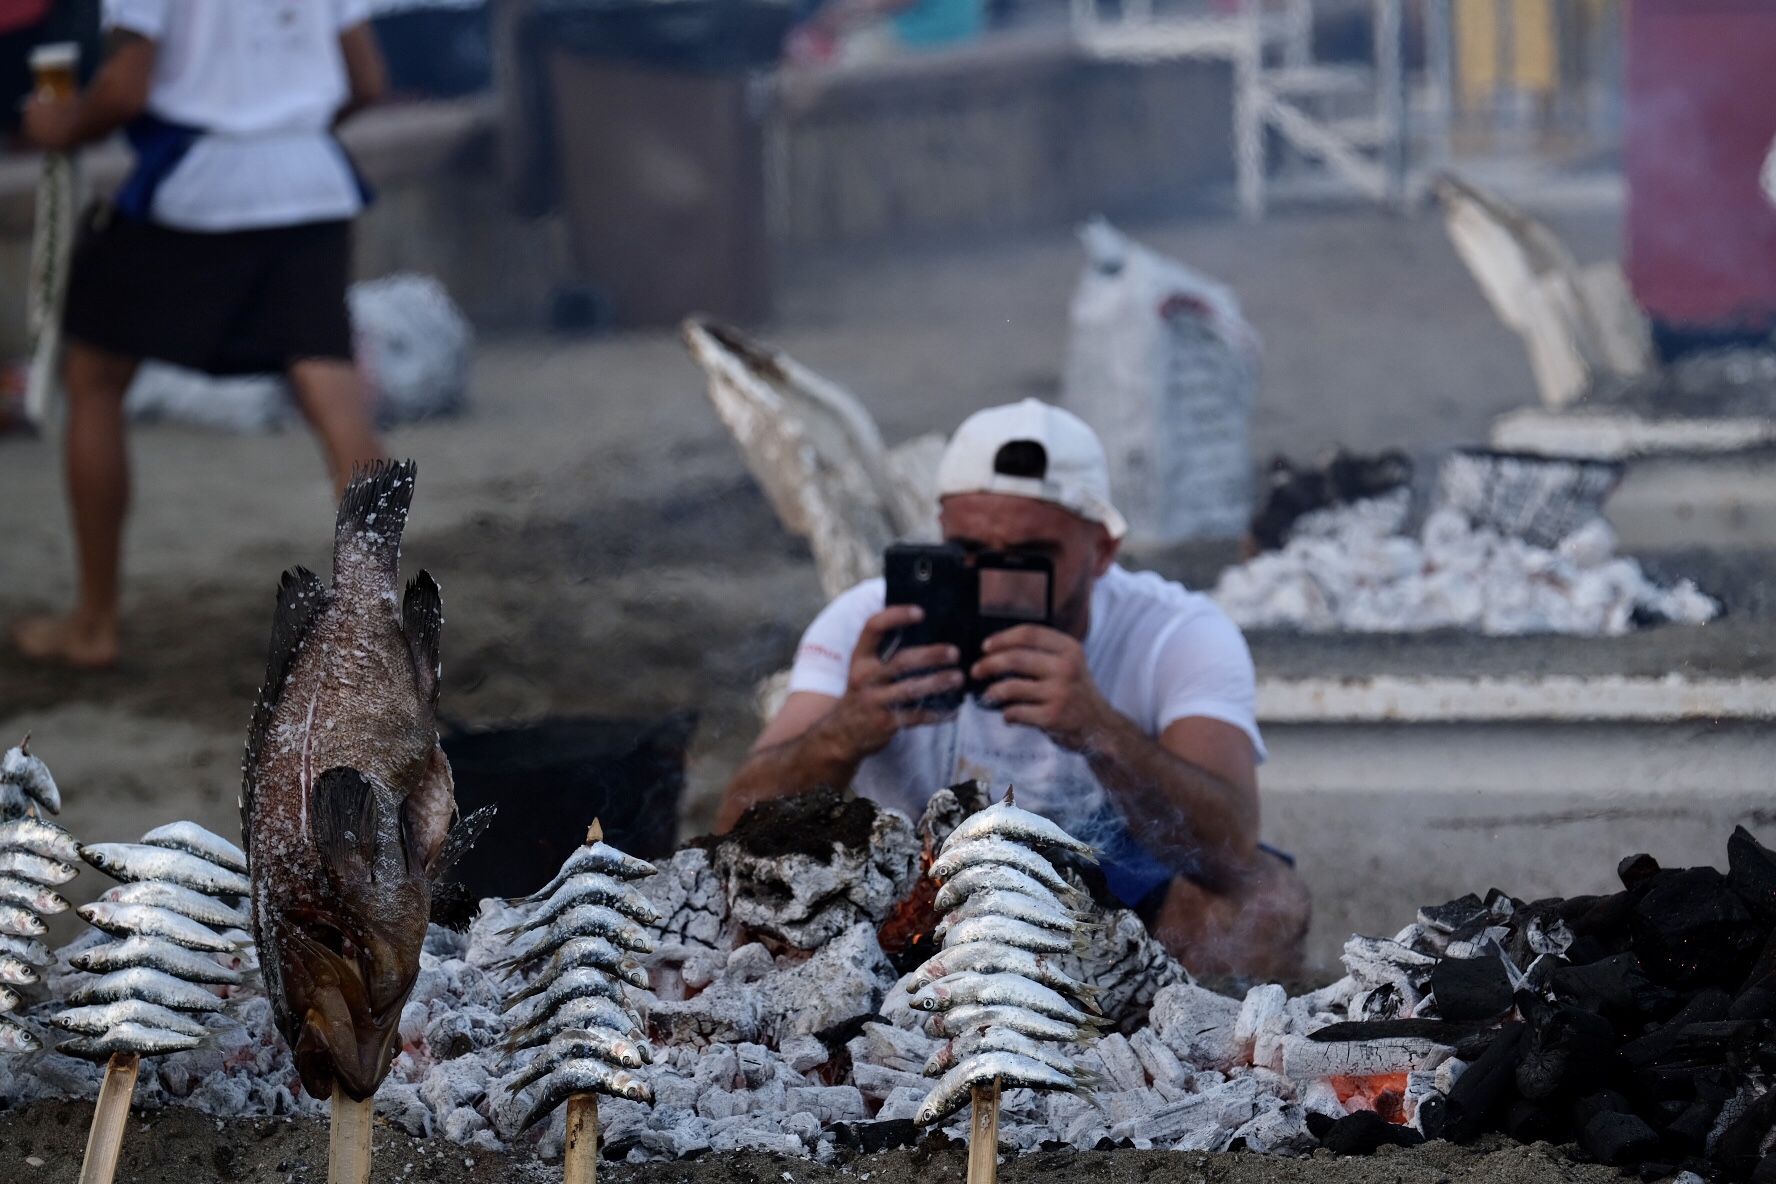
pixel 1134 875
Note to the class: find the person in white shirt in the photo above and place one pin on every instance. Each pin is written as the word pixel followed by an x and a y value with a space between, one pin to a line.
pixel 1131 722
pixel 227 249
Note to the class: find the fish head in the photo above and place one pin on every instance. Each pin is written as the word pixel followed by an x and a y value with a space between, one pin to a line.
pixel 635 1089
pixel 98 857
pixel 346 1030
pixel 925 1003
pixel 347 959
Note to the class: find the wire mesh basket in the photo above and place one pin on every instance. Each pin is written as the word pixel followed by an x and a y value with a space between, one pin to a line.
pixel 1539 499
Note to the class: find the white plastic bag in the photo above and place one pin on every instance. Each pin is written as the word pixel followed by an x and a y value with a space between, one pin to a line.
pixel 1163 365
pixel 413 347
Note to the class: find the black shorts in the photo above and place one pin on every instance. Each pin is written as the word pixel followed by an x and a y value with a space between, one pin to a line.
pixel 237 302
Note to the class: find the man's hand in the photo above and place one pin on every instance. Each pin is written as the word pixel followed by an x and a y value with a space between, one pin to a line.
pixel 51 124
pixel 882 695
pixel 1043 681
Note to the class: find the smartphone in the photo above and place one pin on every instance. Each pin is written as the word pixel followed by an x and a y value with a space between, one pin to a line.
pixel 937 578
pixel 1012 590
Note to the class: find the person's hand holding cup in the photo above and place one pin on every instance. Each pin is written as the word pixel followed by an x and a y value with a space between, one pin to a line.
pixel 51 113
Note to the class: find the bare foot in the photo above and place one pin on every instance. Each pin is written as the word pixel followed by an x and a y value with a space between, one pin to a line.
pixel 66 641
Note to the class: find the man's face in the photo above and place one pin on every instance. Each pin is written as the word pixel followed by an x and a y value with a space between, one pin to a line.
pixel 1080 551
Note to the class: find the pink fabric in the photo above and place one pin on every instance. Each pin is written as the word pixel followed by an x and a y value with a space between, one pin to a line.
pixel 1701 116
pixel 19 14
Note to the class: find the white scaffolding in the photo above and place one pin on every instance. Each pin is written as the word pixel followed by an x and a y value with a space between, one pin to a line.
pixel 1372 124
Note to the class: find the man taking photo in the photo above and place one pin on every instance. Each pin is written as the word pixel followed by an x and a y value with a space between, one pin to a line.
pixel 1129 719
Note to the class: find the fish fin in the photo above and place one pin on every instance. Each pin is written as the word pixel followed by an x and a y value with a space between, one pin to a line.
pixel 462 838
pixel 342 821
pixel 428 812
pixel 451 904
pixel 372 517
pixel 300 598
pixel 422 617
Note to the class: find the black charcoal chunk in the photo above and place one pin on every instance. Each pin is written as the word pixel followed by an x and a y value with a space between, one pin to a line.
pixel 1530 1122
pixel 1689 1130
pixel 1607 1101
pixel 1618 1139
pixel 1483 1090
pixel 1751 869
pixel 1433 1116
pixel 1447 918
pixel 885 1135
pixel 1755 1002
pixel 1571 1051
pixel 1439 1031
pixel 1616 986
pixel 1637 869
pixel 1740 1146
pixel 1471 988
pixel 1691 929
pixel 1765 1172
pixel 1763 968
pixel 1361 1133
pixel 1692 1046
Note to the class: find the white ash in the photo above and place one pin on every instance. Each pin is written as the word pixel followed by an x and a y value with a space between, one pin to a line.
pixel 774 1050
pixel 1126 964
pixel 807 901
pixel 1351 570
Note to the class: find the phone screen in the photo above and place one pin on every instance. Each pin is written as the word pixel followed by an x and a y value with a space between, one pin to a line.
pixel 1015 594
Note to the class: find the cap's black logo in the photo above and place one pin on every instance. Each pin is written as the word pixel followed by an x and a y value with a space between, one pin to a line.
pixel 1022 458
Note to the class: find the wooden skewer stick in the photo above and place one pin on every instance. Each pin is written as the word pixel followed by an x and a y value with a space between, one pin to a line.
pixel 348 1140
pixel 581 1156
pixel 983 1135
pixel 104 1142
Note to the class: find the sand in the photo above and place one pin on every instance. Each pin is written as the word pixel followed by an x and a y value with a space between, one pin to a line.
pixel 182 1147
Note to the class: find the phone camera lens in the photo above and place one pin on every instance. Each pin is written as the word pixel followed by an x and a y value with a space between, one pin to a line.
pixel 922 571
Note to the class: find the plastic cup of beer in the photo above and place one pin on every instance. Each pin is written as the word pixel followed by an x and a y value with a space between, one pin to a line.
pixel 55 67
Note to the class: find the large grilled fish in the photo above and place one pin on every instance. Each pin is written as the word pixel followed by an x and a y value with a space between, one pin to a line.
pixel 347 800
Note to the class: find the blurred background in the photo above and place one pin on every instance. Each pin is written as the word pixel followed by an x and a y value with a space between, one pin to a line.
pixel 1411 230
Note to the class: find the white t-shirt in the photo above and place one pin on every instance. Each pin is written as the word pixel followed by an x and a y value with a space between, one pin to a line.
pixel 264 79
pixel 1157 652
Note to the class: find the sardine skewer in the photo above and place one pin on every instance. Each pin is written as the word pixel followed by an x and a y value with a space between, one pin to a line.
pixel 1004 906
pixel 589 919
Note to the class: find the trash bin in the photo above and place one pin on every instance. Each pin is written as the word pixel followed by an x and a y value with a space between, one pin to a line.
pixel 659 130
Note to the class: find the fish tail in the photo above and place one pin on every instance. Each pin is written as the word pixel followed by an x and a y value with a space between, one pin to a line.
pixel 372 516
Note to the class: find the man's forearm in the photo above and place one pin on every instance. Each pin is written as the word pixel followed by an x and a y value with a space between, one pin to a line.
pixel 818 757
pixel 1182 813
pixel 102 112
pixel 118 93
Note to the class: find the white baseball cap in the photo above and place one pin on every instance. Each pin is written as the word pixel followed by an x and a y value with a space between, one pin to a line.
pixel 1036 450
